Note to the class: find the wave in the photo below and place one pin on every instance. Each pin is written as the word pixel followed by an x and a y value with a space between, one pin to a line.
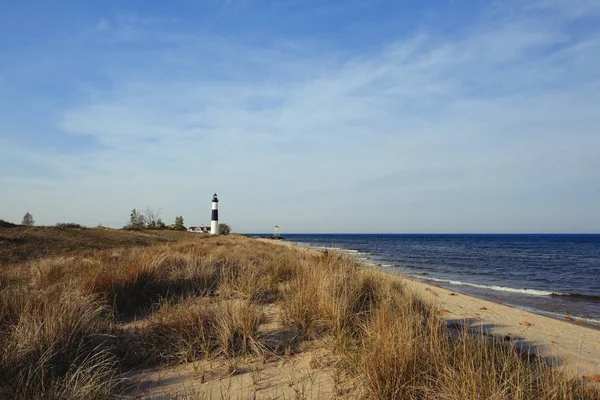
pixel 577 296
pixel 357 254
pixel 332 248
pixel 365 256
pixel 532 292
pixel 302 244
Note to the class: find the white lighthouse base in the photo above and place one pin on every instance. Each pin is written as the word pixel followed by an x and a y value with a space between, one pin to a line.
pixel 214 227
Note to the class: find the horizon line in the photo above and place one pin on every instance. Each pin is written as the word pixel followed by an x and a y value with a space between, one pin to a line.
pixel 425 233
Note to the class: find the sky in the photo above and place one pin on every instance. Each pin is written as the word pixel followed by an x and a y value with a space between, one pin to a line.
pixel 366 116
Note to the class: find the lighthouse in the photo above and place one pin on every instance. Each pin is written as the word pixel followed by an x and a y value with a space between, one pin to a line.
pixel 214 220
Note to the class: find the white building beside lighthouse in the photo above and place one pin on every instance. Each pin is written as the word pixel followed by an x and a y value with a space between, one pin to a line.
pixel 214 220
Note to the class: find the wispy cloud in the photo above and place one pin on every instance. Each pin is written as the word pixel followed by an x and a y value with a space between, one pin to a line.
pixel 569 9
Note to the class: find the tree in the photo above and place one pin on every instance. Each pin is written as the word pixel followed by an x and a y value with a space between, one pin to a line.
pixel 28 219
pixel 152 218
pixel 224 229
pixel 136 220
pixel 179 224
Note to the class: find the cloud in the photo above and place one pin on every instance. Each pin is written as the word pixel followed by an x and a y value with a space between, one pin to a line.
pixel 491 118
pixel 570 9
pixel 103 24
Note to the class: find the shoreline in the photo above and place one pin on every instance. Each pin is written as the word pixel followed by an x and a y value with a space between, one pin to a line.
pixel 479 291
pixel 571 319
pixel 577 346
pixel 523 271
pixel 569 344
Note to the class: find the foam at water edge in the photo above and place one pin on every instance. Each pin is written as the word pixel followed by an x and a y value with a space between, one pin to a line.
pixel 532 292
pixel 342 250
pixel 563 316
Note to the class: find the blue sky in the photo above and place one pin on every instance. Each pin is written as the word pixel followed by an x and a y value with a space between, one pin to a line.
pixel 345 116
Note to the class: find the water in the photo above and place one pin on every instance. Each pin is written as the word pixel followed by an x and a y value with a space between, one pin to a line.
pixel 555 275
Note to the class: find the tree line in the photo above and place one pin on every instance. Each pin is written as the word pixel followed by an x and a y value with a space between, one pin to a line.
pixel 150 219
pixel 146 219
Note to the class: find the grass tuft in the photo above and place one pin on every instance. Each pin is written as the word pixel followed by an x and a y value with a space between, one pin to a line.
pixel 53 343
pixel 237 328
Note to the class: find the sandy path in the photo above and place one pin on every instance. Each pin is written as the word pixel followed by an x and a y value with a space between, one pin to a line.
pixel 290 378
pixel 305 373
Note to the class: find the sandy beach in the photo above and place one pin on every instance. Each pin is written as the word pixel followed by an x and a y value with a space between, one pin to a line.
pixel 572 346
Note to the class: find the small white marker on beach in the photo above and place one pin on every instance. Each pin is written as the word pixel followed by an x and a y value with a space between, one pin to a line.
pixel 214 220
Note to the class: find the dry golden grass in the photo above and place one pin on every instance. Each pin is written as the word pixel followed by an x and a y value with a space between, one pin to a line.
pixel 394 346
pixel 71 326
pixel 175 333
pixel 52 344
pixel 20 244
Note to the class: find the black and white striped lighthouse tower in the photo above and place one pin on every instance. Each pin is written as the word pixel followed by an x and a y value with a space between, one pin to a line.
pixel 214 220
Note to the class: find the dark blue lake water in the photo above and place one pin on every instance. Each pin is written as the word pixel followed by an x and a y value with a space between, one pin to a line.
pixel 556 275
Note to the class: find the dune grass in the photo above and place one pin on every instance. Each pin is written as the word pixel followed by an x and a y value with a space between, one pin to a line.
pixel 73 326
pixel 19 243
